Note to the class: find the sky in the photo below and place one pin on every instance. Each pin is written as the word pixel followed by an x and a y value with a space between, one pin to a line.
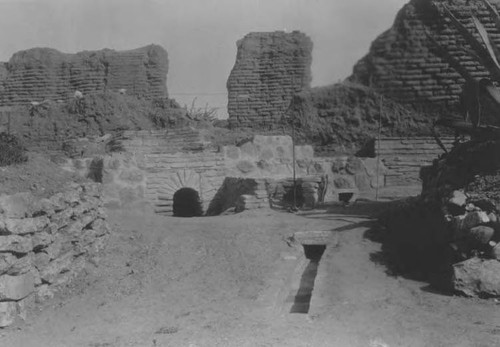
pixel 199 35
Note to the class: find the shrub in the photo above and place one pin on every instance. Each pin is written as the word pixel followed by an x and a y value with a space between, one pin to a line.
pixel 11 150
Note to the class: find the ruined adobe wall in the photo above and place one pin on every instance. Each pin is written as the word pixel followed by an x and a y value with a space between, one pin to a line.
pixel 42 73
pixel 403 64
pixel 45 243
pixel 270 68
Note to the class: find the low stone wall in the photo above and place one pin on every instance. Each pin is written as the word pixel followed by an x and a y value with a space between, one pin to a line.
pixel 45 243
pixel 157 164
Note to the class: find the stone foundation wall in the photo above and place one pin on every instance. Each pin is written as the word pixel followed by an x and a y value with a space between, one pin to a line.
pixel 45 243
pixel 157 164
pixel 270 68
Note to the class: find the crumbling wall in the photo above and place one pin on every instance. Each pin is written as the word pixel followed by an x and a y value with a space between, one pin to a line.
pixel 45 243
pixel 343 118
pixel 42 73
pixel 403 63
pixel 270 67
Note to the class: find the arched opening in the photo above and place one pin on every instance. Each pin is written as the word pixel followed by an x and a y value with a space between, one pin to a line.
pixel 187 203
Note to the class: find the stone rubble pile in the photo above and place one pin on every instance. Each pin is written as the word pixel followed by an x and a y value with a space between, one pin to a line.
pixel 465 185
pixel 45 243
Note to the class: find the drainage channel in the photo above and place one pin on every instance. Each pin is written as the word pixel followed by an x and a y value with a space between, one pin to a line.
pixel 303 296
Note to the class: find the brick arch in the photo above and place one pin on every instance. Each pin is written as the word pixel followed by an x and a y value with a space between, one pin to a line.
pixel 173 181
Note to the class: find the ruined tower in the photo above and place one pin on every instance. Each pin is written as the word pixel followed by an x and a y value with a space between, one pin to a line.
pixel 270 68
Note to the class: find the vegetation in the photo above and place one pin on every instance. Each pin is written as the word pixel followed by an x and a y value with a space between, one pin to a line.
pixel 11 150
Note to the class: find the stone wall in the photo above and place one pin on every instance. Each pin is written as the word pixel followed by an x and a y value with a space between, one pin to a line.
pixel 270 68
pixel 45 243
pixel 43 73
pixel 404 157
pixel 156 164
pixel 403 64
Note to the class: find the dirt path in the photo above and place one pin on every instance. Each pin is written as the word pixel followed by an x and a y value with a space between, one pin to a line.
pixel 227 281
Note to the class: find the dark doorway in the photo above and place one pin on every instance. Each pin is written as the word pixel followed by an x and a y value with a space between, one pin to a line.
pixel 187 203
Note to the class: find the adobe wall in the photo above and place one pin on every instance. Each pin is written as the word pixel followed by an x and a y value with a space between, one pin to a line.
pixel 43 73
pixel 402 63
pixel 270 68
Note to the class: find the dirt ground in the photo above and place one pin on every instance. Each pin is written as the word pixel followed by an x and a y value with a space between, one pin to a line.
pixel 226 281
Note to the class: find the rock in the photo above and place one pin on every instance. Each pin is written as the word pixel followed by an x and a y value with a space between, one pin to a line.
pixel 232 152
pixel 100 226
pixel 18 205
pixel 6 261
pixel 16 287
pixel 495 251
pixel 62 219
pixel 41 240
pixel 473 219
pixel 20 265
pixel 24 305
pixel 24 226
pixel 343 182
pixel 354 166
pixel 481 234
pixel 41 260
pixel 55 267
pixel 15 244
pixel 55 248
pixel 245 166
pixel 8 313
pixel 493 217
pixel 458 198
pixel 477 277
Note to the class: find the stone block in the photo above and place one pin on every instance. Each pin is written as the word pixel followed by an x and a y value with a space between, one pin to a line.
pixel 55 248
pixel 20 205
pixel 23 226
pixel 473 219
pixel 15 244
pixel 19 266
pixel 100 226
pixel 344 182
pixel 41 260
pixel 232 152
pixel 56 266
pixel 245 166
pixel 62 219
pixel 458 198
pixel 8 313
pixel 14 288
pixel 481 235
pixel 477 277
